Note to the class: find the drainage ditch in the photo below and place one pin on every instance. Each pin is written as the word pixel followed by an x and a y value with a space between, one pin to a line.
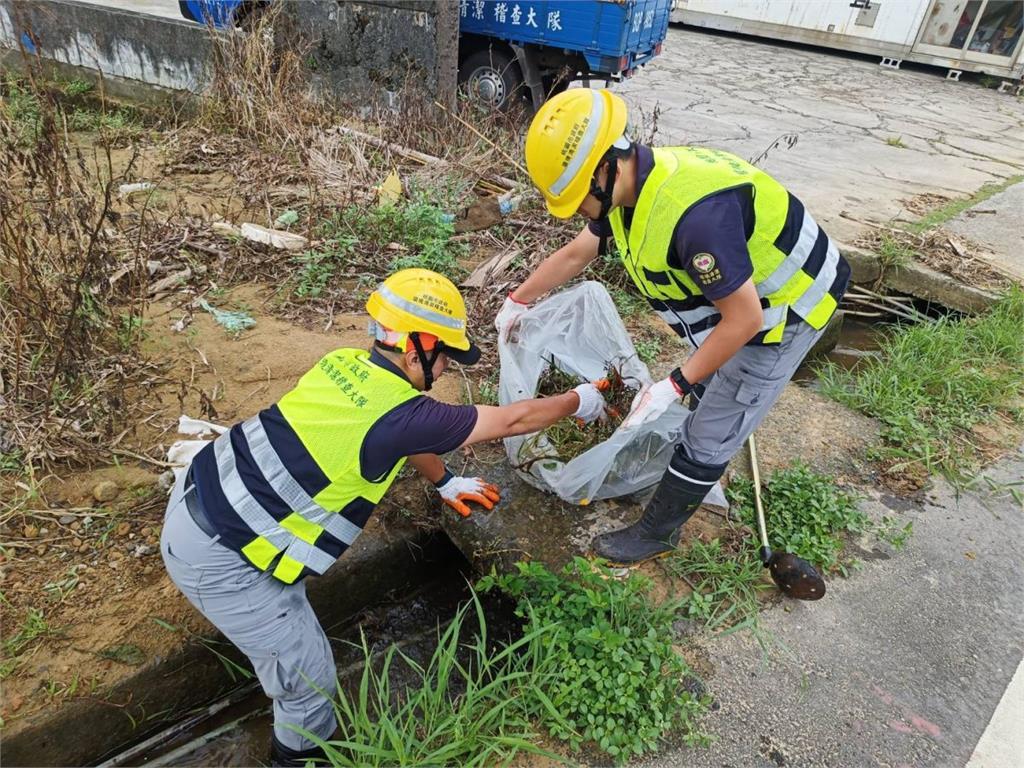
pixel 235 729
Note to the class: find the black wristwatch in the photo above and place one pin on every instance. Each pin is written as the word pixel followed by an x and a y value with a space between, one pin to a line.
pixel 681 383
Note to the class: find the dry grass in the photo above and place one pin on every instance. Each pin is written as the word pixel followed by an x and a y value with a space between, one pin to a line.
pixel 72 291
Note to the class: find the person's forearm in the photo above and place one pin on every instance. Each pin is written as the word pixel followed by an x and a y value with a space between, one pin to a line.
pixel 531 415
pixel 429 465
pixel 724 341
pixel 558 268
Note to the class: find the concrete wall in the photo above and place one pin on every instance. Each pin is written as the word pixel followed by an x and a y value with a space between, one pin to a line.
pixel 359 50
pixel 132 46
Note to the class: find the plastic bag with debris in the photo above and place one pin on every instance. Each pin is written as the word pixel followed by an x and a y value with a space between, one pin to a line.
pixel 580 331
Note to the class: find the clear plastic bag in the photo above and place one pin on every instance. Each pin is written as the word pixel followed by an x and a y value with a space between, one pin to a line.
pixel 580 330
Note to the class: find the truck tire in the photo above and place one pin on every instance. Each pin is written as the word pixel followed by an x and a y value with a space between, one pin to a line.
pixel 491 77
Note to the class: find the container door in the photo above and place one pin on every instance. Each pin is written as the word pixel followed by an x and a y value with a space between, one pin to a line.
pixel 982 31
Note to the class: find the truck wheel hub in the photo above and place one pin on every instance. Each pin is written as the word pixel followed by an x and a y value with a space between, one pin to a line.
pixel 488 86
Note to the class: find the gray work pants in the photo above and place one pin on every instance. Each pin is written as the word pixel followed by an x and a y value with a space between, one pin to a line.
pixel 271 622
pixel 738 395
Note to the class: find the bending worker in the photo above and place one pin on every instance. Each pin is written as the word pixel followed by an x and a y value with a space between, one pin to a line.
pixel 283 494
pixel 722 252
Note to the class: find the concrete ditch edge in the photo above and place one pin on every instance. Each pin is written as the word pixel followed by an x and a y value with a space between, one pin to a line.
pixel 84 729
pixel 918 281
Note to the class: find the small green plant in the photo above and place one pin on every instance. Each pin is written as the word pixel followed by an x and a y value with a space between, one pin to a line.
pixel 725 584
pixel 893 253
pixel 648 349
pixel 628 301
pixel 12 462
pixel 487 389
pixel 896 141
pixel 808 514
pixel 473 703
pixel 895 534
pixel 33 628
pixel 616 680
pixel 317 268
pixel 931 384
pixel 76 88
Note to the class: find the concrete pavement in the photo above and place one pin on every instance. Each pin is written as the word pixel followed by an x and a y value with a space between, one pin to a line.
pixel 902 664
pixel 742 94
pixel 997 223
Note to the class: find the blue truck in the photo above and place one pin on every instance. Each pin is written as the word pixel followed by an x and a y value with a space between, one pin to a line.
pixel 513 49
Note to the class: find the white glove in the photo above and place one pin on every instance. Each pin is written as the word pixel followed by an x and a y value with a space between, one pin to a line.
pixel 508 317
pixel 591 403
pixel 650 402
pixel 458 490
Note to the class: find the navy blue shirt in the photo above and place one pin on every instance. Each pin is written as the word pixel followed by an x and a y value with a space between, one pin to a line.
pixel 710 239
pixel 419 425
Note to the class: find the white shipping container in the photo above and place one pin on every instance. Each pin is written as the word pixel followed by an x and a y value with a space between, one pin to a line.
pixel 974 35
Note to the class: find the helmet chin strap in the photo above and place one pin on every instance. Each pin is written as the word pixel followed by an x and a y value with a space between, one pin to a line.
pixel 604 196
pixel 427 363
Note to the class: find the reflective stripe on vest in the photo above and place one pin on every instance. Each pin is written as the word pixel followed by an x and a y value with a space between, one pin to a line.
pixel 784 262
pixel 329 413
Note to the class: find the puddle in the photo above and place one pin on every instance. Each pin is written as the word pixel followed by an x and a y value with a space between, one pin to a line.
pixel 858 341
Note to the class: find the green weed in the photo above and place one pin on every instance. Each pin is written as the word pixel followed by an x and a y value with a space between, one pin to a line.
pixel 628 301
pixel 616 680
pixel 893 253
pixel 472 704
pixel 805 514
pixel 357 238
pixel 932 383
pixel 487 389
pixel 33 628
pixel 12 462
pixel 648 349
pixel 725 584
pixel 896 141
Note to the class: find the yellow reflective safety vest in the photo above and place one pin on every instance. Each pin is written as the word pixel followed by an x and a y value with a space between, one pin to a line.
pixel 285 488
pixel 796 265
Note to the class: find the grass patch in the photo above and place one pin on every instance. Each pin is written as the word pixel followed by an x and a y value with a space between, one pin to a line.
pixel 896 141
pixel 955 207
pixel 932 383
pixel 648 349
pixel 616 679
pixel 34 627
pixel 893 253
pixel 379 240
pixel 805 512
pixel 474 703
pixel 725 584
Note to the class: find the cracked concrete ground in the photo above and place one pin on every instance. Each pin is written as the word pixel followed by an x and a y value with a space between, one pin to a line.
pixel 902 664
pixel 742 94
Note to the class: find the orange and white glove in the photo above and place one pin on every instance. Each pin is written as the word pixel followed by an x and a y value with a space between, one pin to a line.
pixel 456 491
pixel 652 401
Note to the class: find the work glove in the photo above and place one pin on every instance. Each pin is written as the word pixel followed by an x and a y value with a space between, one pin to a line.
pixel 652 401
pixel 508 317
pixel 458 490
pixel 592 403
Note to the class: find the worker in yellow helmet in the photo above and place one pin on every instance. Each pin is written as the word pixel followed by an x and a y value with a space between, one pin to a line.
pixel 726 255
pixel 284 493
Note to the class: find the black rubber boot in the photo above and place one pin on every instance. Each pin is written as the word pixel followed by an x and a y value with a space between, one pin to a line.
pixel 286 757
pixel 680 492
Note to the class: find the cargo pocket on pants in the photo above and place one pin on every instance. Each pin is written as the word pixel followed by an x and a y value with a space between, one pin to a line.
pixel 277 679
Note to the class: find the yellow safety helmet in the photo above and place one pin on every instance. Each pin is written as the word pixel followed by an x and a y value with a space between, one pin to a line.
pixel 567 139
pixel 425 303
